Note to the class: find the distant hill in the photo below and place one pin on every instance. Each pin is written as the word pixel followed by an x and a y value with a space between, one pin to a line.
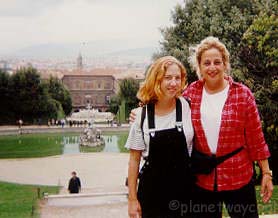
pixel 118 48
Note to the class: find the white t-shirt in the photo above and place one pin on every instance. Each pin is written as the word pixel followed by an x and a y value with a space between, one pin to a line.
pixel 211 112
pixel 135 140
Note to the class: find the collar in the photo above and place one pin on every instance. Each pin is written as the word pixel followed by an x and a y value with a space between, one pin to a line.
pixel 201 82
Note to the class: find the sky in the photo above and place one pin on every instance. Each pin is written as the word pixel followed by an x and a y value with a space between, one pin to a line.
pixel 25 23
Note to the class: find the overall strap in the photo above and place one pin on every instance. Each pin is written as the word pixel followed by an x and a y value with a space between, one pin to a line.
pixel 179 124
pixel 150 110
pixel 143 115
pixel 178 110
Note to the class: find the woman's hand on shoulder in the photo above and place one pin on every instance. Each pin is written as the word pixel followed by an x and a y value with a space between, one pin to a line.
pixel 134 208
pixel 132 115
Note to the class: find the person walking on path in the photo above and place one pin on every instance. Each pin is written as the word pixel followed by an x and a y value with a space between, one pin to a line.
pixel 74 184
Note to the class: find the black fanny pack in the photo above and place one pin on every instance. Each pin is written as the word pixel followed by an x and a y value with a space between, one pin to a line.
pixel 204 164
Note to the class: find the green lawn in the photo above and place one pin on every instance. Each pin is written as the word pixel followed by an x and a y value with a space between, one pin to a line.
pixel 31 145
pixel 270 208
pixel 21 200
pixel 122 137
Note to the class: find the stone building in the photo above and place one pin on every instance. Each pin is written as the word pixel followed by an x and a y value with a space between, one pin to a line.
pixel 94 87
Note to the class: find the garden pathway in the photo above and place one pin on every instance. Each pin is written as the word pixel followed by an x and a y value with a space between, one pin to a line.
pixel 99 172
pixel 96 170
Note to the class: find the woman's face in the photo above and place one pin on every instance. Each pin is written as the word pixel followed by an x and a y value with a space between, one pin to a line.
pixel 212 66
pixel 171 82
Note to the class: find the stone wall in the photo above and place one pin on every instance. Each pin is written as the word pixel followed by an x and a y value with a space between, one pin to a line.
pixel 95 90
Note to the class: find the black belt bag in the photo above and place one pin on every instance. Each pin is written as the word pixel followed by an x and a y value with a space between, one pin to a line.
pixel 204 164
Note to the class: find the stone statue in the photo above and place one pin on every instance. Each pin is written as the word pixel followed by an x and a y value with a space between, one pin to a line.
pixel 91 137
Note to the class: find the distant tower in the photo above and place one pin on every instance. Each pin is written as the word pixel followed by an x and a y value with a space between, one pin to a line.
pixel 79 62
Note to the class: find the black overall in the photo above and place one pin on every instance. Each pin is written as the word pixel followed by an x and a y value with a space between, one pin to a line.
pixel 165 181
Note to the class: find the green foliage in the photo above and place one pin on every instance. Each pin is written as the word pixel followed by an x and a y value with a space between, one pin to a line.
pixel 259 59
pixel 197 19
pixel 128 90
pixel 59 92
pixel 259 46
pixel 121 142
pixel 54 108
pixel 19 200
pixel 126 95
pixel 25 97
pixel 114 104
pixel 5 114
pixel 26 94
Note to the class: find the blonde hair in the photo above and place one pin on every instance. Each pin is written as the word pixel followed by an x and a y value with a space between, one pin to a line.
pixel 206 44
pixel 150 90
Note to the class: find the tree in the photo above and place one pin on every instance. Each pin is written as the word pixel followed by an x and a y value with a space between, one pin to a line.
pixel 196 19
pixel 128 90
pixel 27 95
pixel 5 112
pixel 259 64
pixel 114 104
pixel 59 92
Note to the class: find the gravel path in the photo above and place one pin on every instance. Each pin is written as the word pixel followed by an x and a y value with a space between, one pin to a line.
pixel 99 172
pixel 96 170
pixel 100 211
pixel 85 207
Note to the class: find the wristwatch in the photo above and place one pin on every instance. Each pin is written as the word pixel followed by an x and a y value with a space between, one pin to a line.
pixel 269 172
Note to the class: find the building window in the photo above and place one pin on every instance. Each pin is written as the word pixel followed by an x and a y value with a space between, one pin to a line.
pixel 107 85
pixel 107 99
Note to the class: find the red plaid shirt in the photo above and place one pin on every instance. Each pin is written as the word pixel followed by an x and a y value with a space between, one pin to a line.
pixel 240 126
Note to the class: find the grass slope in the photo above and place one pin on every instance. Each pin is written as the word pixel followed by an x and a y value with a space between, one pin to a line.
pixel 21 200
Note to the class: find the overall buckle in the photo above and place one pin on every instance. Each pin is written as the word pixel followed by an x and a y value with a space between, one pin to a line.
pixel 179 125
pixel 152 132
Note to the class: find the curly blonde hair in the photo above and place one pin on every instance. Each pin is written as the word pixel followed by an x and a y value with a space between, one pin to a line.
pixel 206 44
pixel 150 90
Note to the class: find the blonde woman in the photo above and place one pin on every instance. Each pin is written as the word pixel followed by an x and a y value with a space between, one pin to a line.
pixel 162 134
pixel 226 122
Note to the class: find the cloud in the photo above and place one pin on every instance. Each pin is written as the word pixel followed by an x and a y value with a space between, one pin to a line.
pixel 29 22
pixel 22 8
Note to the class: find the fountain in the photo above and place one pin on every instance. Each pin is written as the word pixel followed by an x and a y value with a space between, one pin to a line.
pixel 89 114
pixel 91 137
